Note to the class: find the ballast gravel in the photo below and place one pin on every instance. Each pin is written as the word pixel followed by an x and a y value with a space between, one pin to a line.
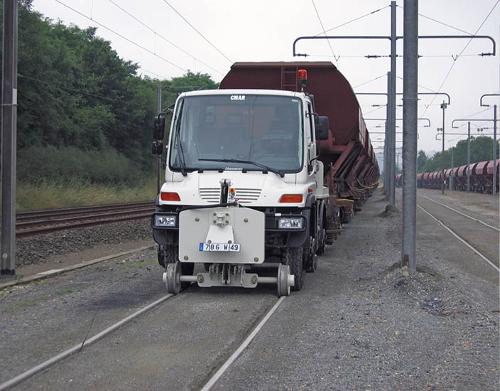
pixel 41 248
pixel 360 324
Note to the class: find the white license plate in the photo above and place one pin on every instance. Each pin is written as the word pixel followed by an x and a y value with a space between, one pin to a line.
pixel 223 247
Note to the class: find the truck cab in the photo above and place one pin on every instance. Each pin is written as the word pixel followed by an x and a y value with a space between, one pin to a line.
pixel 243 190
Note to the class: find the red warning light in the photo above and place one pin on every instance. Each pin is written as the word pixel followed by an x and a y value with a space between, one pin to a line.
pixel 302 78
pixel 302 75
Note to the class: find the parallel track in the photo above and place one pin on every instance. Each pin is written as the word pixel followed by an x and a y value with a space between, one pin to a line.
pixel 51 220
pixel 460 238
pixel 462 213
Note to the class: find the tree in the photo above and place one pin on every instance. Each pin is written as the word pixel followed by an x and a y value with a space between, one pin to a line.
pixel 77 95
pixel 421 161
pixel 480 149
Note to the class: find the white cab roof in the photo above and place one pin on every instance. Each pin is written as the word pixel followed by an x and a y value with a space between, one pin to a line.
pixel 243 92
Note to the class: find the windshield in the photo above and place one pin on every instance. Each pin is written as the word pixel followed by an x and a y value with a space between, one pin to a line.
pixel 261 130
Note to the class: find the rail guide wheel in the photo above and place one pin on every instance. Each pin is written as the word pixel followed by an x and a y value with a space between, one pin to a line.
pixel 172 278
pixel 285 280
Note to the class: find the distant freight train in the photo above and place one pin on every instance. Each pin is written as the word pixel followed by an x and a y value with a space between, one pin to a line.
pixel 481 177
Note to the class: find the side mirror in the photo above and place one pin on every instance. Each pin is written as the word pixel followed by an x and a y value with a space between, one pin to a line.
pixel 322 125
pixel 159 127
pixel 157 147
pixel 158 134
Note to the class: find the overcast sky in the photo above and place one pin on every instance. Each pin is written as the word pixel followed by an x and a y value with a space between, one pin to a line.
pixel 263 30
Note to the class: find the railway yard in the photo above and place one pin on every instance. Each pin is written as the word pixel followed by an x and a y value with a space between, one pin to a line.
pixel 228 215
pixel 357 324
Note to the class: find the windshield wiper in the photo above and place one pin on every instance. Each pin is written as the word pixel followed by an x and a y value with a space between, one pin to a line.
pixel 263 166
pixel 179 142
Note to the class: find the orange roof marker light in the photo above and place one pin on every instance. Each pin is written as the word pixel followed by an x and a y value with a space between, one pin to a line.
pixel 302 78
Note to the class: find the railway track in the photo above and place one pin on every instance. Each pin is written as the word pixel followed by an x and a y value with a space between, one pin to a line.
pixel 51 220
pixel 462 213
pixel 482 243
pixel 207 384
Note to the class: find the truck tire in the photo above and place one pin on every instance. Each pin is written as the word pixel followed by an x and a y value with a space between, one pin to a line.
pixel 294 257
pixel 310 258
pixel 322 242
pixel 346 218
pixel 170 254
pixel 321 235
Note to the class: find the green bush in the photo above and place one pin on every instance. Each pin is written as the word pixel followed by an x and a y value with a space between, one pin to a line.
pixel 65 164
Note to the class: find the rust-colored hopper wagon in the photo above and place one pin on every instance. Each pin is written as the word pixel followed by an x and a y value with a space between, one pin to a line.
pixel 350 166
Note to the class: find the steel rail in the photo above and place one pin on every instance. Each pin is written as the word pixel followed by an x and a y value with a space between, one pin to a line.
pixel 23 280
pixel 79 224
pixel 224 367
pixel 45 221
pixel 64 218
pixel 78 210
pixel 77 348
pixel 461 213
pixel 460 239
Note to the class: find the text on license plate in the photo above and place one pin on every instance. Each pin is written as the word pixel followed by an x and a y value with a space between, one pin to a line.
pixel 225 247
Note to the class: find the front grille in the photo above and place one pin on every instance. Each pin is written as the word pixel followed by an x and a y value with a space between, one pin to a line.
pixel 243 195
pixel 210 194
pixel 247 195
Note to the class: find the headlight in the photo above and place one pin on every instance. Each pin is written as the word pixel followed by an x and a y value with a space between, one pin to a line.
pixel 165 221
pixel 290 223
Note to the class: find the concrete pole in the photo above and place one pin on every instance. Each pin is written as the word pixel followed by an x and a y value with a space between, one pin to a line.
pixel 468 155
pixel 387 158
pixel 9 137
pixel 450 185
pixel 443 106
pixel 158 98
pixel 494 150
pixel 158 157
pixel 391 101
pixel 410 115
pixel 385 170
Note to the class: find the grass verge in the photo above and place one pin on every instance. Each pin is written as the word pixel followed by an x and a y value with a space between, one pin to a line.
pixel 47 195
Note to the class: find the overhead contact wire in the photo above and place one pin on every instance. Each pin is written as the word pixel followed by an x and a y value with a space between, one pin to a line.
pixel 463 50
pixel 323 28
pixel 121 36
pixel 162 37
pixel 352 20
pixel 370 81
pixel 196 30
